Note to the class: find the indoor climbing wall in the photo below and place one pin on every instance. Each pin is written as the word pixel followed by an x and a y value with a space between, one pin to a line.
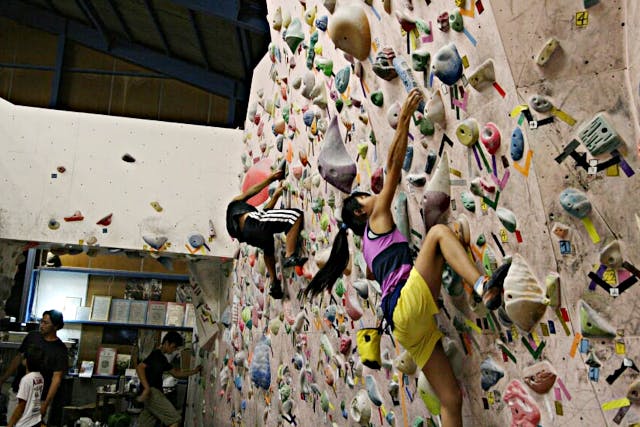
pixel 530 127
pixel 98 182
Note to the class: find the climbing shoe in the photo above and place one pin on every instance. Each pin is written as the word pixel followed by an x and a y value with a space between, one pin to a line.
pixel 276 290
pixel 294 260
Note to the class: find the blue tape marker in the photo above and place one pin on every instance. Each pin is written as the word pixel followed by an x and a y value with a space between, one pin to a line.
pixel 470 37
pixel 431 79
pixel 375 12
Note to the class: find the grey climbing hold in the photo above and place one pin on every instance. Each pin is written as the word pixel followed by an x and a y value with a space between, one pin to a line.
pixel 447 64
pixel 490 373
pixel 599 136
pixel 334 163
pixel 156 242
pixel 540 103
pixel 575 202
pixel 342 79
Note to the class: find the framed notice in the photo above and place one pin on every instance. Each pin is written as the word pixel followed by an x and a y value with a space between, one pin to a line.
pixel 83 313
pixel 106 361
pixel 189 316
pixel 156 313
pixel 175 314
pixel 138 312
pixel 70 308
pixel 100 308
pixel 119 312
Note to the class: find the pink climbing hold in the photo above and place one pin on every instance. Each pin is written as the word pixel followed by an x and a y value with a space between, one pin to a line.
pixel 490 137
pixel 524 410
pixel 255 175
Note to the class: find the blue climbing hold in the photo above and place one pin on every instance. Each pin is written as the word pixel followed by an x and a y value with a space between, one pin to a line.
pixel 517 144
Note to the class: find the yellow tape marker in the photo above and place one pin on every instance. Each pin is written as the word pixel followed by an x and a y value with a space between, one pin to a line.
pixel 612 170
pixel 620 347
pixel 455 172
pixel 514 333
pixel 535 337
pixel 563 116
pixel 412 38
pixel 491 398
pixel 465 61
pixel 518 109
pixel 615 404
pixel 588 225
pixel 610 277
pixel 473 326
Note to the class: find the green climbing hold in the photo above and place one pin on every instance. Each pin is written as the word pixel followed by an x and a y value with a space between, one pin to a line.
pixel 372 137
pixel 426 126
pixel 377 98
pixel 455 20
pixel 468 201
pixel 324 222
pixel 481 240
pixel 363 148
pixel 339 288
pixel 317 205
pixel 339 104
pixel 423 27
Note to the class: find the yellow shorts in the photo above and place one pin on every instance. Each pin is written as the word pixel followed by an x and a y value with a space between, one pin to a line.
pixel 414 325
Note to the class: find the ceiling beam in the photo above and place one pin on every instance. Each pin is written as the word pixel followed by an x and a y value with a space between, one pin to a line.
pixel 227 10
pixel 44 20
pixel 121 21
pixel 198 33
pixel 92 15
pixel 153 14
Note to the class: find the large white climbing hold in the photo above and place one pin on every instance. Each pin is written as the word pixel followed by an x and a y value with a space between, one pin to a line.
pixel 360 408
pixel 437 196
pixel 525 299
pixel 435 110
pixel 483 76
pixel 592 324
pixel 405 363
pixel 349 30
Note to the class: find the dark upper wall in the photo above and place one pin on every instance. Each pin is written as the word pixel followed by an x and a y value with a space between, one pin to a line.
pixel 97 83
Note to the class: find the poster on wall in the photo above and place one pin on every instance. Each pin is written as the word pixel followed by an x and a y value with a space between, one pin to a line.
pixel 106 361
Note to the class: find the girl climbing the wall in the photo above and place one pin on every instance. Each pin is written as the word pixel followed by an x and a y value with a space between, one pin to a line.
pixel 409 291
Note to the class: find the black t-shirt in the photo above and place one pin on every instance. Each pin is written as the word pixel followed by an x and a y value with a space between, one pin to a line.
pixel 156 363
pixel 55 359
pixel 234 210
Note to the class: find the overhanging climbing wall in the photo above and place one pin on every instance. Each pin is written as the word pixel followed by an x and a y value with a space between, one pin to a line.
pixel 557 196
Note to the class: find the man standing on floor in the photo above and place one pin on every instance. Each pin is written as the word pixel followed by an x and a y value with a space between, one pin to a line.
pixel 156 404
pixel 56 362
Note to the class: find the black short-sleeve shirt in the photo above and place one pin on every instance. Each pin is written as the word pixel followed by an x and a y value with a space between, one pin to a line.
pixel 156 363
pixel 55 359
